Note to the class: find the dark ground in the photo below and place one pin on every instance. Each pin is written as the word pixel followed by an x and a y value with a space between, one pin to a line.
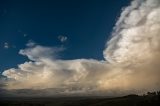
pixel 130 100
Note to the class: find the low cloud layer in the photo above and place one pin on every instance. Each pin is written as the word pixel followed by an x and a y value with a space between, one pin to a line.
pixel 44 71
pixel 132 59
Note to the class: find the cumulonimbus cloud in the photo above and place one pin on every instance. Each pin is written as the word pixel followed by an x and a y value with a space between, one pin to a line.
pixel 132 59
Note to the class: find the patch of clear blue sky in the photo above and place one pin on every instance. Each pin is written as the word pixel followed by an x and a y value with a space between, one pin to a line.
pixel 86 23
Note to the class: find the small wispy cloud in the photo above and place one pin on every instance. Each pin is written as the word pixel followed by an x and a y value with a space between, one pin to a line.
pixel 6 45
pixel 62 38
pixel 30 43
pixel 22 32
pixel 25 35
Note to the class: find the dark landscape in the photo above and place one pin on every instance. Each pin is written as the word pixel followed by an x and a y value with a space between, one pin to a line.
pixel 149 99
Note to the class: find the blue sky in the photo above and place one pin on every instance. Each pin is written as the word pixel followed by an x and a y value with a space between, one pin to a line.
pixel 86 24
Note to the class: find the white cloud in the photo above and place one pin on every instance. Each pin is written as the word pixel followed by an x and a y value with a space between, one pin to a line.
pixel 62 38
pixel 136 34
pixel 135 44
pixel 6 45
pixel 46 72
pixel 30 43
pixel 132 59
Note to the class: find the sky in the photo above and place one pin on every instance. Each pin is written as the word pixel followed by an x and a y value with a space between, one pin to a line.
pixel 80 47
pixel 43 21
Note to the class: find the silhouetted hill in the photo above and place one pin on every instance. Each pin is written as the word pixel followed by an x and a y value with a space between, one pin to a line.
pixel 150 99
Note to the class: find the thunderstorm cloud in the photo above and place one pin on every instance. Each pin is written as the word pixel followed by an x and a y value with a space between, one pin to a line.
pixel 132 59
